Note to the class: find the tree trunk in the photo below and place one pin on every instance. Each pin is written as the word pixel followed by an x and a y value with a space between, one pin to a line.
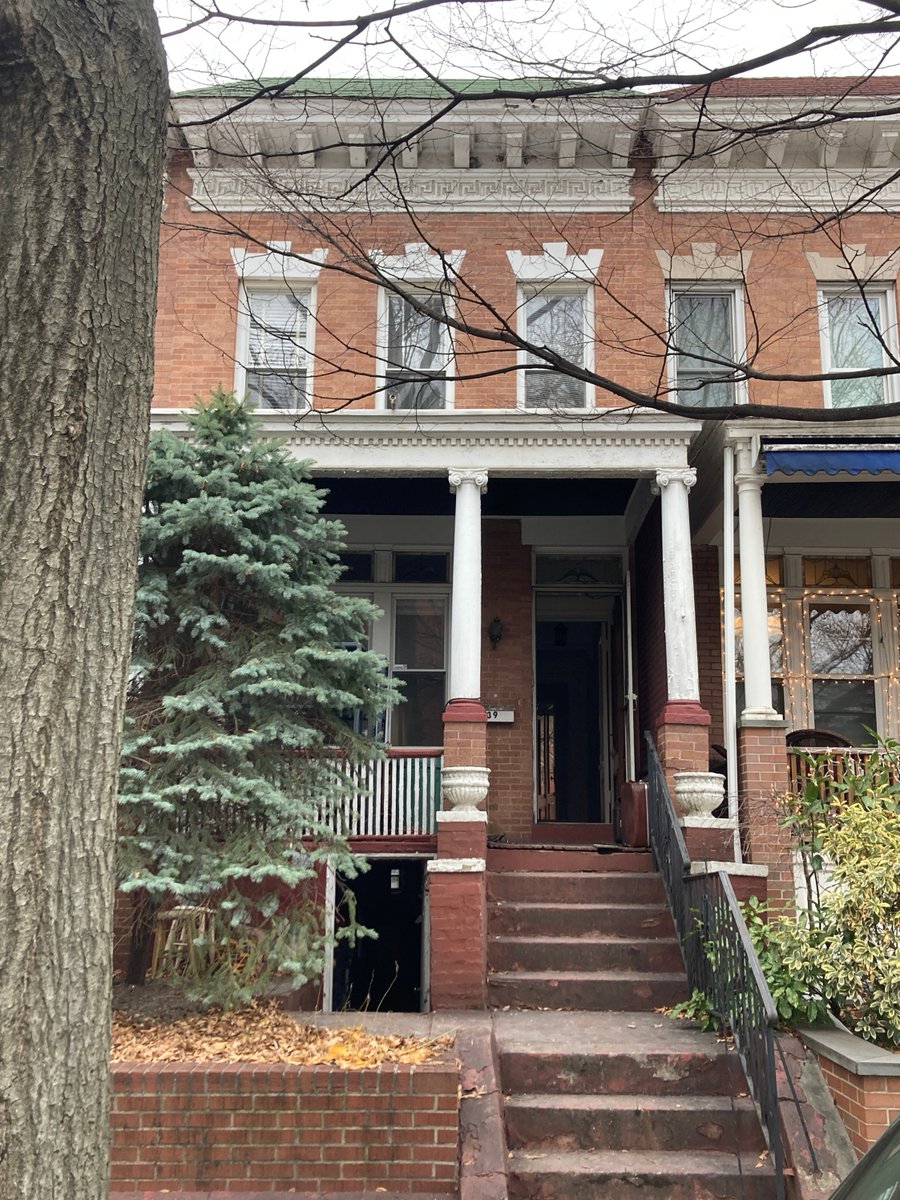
pixel 82 120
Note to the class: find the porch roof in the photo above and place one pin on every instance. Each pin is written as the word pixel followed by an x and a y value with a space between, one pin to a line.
pixel 615 443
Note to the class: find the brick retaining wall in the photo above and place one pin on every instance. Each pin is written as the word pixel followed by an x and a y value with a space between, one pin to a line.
pixel 867 1103
pixel 271 1128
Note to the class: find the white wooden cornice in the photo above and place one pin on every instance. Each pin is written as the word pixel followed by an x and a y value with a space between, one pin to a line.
pixel 612 442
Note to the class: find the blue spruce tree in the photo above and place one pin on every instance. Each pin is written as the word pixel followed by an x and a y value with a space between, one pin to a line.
pixel 237 751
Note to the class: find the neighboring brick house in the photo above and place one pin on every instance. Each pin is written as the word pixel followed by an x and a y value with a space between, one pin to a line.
pixel 552 562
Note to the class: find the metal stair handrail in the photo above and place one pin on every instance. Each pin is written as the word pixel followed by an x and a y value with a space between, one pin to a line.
pixel 718 956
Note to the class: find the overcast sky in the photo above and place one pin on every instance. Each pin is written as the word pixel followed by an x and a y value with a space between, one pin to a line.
pixel 515 37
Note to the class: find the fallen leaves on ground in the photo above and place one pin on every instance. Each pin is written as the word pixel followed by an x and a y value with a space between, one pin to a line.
pixel 263 1033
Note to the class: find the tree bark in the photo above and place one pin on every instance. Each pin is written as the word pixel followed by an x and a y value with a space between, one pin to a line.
pixel 82 123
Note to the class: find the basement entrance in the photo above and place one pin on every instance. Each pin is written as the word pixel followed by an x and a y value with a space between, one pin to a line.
pixel 384 974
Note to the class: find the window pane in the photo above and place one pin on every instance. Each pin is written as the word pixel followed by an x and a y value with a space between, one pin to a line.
pixel 845 706
pixel 551 568
pixel 270 390
pixel 417 340
pixel 704 347
pixel 840 640
pixel 420 568
pixel 549 389
pixel 417 720
pixel 854 332
pixel 557 322
pixel 774 572
pixel 837 572
pixel 418 634
pixel 740 702
pixel 278 331
pixel 402 392
pixel 776 641
pixel 357 567
pixel 895 572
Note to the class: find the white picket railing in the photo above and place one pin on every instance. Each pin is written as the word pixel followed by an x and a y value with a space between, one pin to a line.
pixel 395 796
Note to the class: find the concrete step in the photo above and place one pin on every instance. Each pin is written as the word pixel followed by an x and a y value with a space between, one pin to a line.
pixel 623 1175
pixel 552 954
pixel 512 918
pixel 525 858
pixel 575 887
pixel 585 1122
pixel 631 991
pixel 612 1053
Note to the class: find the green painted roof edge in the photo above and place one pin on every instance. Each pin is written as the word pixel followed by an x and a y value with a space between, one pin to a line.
pixel 363 88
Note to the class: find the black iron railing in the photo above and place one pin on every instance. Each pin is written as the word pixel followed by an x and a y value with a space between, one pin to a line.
pixel 719 956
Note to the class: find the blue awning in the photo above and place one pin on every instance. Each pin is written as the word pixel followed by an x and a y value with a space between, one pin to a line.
pixel 829 459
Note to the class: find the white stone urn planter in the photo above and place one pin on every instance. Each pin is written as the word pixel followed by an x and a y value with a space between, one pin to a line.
pixel 464 787
pixel 698 793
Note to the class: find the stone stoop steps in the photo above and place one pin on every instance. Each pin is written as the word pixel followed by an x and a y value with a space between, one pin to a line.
pixel 605 1097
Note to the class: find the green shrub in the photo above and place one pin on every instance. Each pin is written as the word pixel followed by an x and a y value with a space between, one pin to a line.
pixel 841 952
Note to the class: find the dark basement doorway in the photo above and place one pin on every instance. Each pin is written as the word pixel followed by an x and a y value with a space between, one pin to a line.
pixel 384 974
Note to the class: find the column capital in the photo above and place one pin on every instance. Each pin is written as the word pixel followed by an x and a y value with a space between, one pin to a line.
pixel 458 476
pixel 686 475
pixel 745 480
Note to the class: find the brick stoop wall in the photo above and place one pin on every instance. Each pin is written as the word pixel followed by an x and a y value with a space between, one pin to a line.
pixel 867 1103
pixel 863 1079
pixel 273 1128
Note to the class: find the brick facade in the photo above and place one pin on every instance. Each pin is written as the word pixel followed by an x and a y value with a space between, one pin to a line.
pixel 280 1128
pixel 506 674
pixel 199 287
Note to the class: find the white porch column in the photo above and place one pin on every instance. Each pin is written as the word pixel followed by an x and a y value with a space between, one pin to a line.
pixel 465 617
pixel 682 669
pixel 754 604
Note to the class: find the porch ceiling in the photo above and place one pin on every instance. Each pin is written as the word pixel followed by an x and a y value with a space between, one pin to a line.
pixel 505 497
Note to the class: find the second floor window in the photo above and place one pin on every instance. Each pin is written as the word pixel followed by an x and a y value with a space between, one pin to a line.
pixel 557 321
pixel 277 349
pixel 703 341
pixel 857 334
pixel 418 352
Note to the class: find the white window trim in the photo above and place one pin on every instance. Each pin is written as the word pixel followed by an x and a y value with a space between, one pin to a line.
pixel 888 313
pixel 717 287
pixel 384 365
pixel 275 270
pixel 558 288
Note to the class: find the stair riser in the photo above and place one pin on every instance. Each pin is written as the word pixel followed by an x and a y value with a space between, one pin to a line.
pixel 636 1186
pixel 621 995
pixel 510 920
pixel 671 1129
pixel 582 955
pixel 575 888
pixel 622 1074
pixel 523 858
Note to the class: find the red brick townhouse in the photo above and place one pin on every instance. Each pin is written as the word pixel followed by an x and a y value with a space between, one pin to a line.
pixel 560 569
